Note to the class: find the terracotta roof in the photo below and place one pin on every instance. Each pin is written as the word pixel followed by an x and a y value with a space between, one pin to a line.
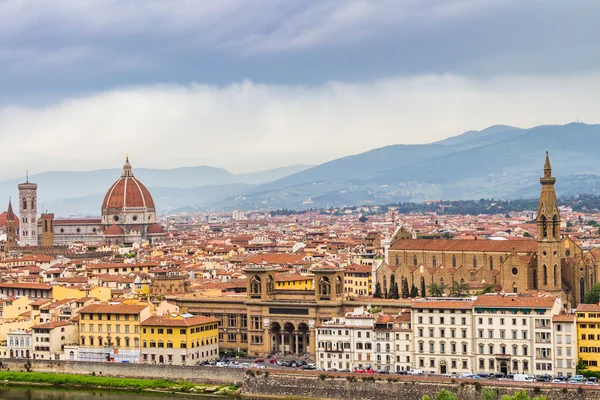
pixel 127 191
pixel 505 246
pixel 114 230
pixel 509 301
pixel 564 318
pixel 77 222
pixel 588 307
pixel 3 220
pixel 25 285
pixel 51 325
pixel 154 229
pixel 165 320
pixel 113 309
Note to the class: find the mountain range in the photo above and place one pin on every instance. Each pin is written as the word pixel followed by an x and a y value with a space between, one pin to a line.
pixel 498 162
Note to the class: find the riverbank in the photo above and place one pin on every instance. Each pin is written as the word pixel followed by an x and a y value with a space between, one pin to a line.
pixel 105 382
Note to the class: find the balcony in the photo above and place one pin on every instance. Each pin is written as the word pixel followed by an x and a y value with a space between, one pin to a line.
pixel 542 326
pixel 543 341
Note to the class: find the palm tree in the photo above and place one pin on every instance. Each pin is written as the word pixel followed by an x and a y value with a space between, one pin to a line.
pixel 459 289
pixel 436 289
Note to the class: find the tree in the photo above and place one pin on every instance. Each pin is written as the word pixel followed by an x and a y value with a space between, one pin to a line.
pixel 459 289
pixel 405 291
pixel 436 290
pixel 593 296
pixel 581 367
pixel 489 394
pixel 423 292
pixel 445 395
pixel 378 294
pixel 414 292
pixel 393 294
pixel 527 234
pixel 363 219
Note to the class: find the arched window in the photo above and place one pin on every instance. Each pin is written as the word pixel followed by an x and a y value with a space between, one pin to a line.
pixel 453 261
pixel 324 286
pixel 136 343
pixel 397 259
pixel 24 204
pixel 434 261
pixel 126 342
pixel 415 261
pixel 255 285
pixel 491 262
pixel 270 284
pixel 91 340
pixel 475 262
pixel 514 287
pixel 83 341
pixel 545 276
pixel 338 286
pixel 441 281
pixel 544 227
pixel 462 281
pixel 556 275
pixel 472 276
pixel 501 260
pixel 118 340
pixel 12 343
pixel 535 279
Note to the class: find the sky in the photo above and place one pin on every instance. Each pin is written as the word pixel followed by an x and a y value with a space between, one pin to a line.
pixel 248 85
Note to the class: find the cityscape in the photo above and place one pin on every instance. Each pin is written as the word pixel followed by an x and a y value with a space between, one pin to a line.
pixel 261 199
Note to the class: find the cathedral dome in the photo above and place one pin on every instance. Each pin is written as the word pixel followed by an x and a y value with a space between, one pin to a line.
pixel 114 230
pixel 3 220
pixel 127 192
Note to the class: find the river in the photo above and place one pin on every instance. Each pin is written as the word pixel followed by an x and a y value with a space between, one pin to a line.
pixel 51 393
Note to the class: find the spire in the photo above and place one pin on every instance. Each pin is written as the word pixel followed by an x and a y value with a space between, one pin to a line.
pixel 127 169
pixel 10 214
pixel 27 176
pixel 548 179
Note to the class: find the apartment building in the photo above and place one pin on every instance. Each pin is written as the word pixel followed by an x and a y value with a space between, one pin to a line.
pixel 565 344
pixel 588 334
pixel 346 343
pixel 111 332
pixel 403 343
pixel 443 335
pixel 49 339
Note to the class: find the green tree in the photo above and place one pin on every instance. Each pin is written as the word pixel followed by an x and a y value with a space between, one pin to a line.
pixel 405 291
pixel 581 367
pixel 414 292
pixel 393 293
pixel 459 289
pixel 436 290
pixel 527 234
pixel 363 219
pixel 423 291
pixel 489 394
pixel 593 296
pixel 445 395
pixel 378 294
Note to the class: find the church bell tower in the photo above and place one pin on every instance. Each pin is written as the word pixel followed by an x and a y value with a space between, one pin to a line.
pixel 28 213
pixel 548 234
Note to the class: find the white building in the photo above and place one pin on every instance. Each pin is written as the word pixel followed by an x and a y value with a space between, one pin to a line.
pixel 346 343
pixel 19 344
pixel 514 333
pixel 565 344
pixel 50 339
pixel 443 335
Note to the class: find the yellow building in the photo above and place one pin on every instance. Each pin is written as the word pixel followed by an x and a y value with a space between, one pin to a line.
pixel 294 282
pixel 111 332
pixel 358 280
pixel 588 335
pixel 179 339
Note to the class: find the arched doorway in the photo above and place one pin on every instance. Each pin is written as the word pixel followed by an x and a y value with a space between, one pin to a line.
pixel 27 354
pixel 276 338
pixel 71 356
pixel 504 367
pixel 289 340
pixel 303 338
pixel 443 367
pixel 161 359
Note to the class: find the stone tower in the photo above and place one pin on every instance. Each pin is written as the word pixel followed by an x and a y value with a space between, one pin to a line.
pixel 28 213
pixel 548 272
pixel 11 229
pixel 47 229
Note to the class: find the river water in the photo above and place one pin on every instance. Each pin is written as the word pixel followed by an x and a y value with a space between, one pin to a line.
pixel 50 393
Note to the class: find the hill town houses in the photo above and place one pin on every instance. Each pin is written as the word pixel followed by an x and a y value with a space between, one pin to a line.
pixel 501 294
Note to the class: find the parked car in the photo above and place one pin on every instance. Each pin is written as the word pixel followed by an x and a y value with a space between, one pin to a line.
pixel 415 372
pixel 402 372
pixel 259 360
pixel 543 378
pixel 273 361
pixel 523 378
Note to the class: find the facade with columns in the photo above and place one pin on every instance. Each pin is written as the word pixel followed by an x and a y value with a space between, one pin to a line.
pixel 269 321
pixel 552 263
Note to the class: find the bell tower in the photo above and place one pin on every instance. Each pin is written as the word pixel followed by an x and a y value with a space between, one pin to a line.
pixel 11 229
pixel 549 276
pixel 28 213
pixel 47 229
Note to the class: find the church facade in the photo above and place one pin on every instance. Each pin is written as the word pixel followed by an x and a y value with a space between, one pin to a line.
pixel 552 263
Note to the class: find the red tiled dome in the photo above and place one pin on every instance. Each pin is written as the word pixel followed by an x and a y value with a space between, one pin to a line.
pixel 155 229
pixel 3 220
pixel 127 192
pixel 114 230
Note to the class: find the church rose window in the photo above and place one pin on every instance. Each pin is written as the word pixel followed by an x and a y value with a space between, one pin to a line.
pixel 515 270
pixel 116 217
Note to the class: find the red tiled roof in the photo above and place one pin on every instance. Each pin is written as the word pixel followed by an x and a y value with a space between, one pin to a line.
pixel 510 301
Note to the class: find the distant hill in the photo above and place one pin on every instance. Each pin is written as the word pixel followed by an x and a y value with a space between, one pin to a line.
pixel 499 162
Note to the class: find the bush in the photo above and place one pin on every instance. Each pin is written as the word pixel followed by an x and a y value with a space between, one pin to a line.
pixel 477 386
pixel 565 390
pixel 537 390
pixel 322 377
pixel 250 373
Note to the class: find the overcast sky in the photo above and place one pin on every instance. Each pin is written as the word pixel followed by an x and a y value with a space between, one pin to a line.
pixel 254 84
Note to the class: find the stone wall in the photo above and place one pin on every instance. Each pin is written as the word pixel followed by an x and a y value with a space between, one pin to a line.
pixel 125 370
pixel 309 384
pixel 313 387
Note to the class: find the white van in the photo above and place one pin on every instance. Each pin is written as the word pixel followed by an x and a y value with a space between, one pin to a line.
pixel 465 375
pixel 524 378
pixel 415 372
